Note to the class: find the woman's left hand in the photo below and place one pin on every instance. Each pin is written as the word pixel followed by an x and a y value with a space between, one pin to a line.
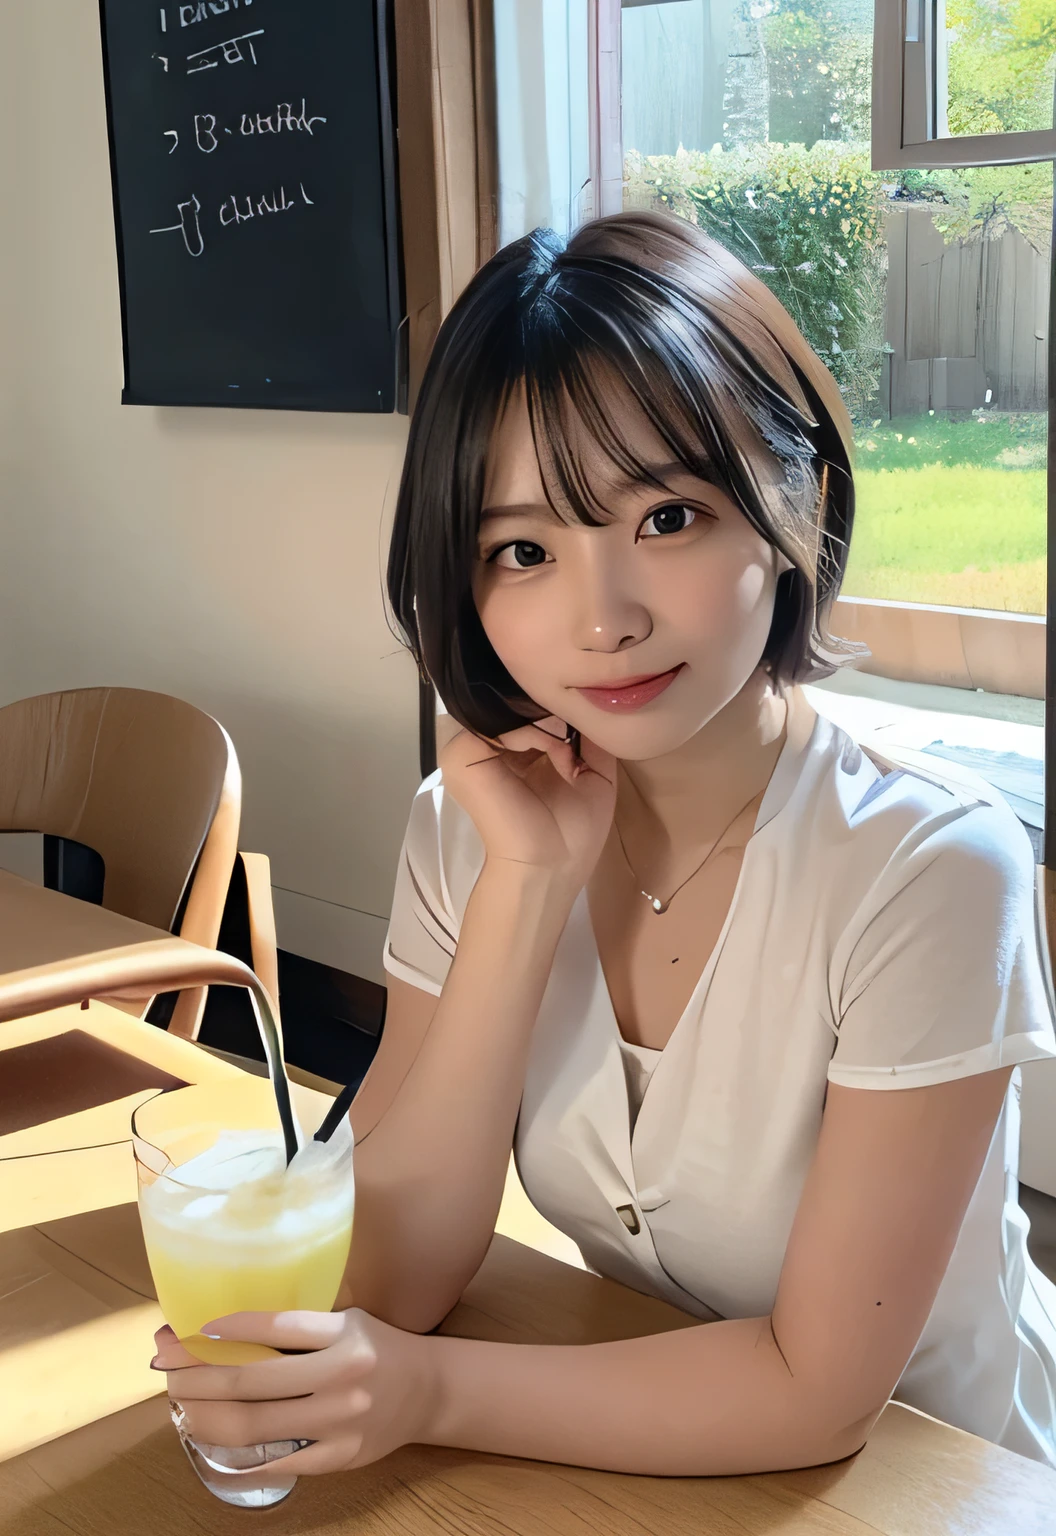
pixel 365 1389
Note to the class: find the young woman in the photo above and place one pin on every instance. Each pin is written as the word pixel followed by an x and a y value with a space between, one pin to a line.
pixel 745 1006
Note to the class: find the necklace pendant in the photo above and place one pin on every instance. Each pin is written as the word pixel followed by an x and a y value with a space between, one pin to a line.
pixel 657 905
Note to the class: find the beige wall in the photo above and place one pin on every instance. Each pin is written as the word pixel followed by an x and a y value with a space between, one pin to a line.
pixel 234 558
pixel 11 349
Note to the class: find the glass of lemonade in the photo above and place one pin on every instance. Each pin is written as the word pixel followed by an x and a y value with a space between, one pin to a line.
pixel 228 1227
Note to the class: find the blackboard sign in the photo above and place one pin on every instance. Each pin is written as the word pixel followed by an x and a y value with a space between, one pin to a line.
pixel 252 157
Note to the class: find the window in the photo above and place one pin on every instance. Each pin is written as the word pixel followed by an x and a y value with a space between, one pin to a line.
pixel 918 269
pixel 962 82
pixel 542 82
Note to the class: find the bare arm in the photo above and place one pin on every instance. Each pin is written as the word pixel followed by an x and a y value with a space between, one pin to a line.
pixel 435 1116
pixel 873 1235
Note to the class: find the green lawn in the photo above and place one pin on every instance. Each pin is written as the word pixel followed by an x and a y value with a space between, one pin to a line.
pixel 951 512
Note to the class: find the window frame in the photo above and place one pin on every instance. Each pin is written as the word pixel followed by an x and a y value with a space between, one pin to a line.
pixel 907 73
pixel 603 193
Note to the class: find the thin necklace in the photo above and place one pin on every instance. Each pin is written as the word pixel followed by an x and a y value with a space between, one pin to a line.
pixel 655 902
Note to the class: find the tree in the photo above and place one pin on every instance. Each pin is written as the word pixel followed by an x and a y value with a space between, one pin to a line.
pixel 819 57
pixel 1001 61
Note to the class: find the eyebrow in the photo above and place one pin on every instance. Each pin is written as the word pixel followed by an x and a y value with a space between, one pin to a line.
pixel 621 483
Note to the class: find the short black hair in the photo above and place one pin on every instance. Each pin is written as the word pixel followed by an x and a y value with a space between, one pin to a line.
pixel 715 363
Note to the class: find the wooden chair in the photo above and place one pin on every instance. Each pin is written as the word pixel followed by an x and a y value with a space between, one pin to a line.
pixel 153 786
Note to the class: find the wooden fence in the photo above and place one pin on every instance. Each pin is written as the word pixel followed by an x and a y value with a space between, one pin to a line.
pixel 962 319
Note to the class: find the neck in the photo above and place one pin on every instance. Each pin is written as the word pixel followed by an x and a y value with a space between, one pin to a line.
pixel 686 797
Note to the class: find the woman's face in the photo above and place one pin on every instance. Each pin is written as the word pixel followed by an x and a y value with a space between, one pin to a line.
pixel 679 579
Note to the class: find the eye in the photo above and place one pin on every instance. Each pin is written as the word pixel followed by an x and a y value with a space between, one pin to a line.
pixel 520 548
pixel 670 519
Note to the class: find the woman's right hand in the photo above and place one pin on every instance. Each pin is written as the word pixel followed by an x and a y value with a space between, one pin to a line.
pixel 532 801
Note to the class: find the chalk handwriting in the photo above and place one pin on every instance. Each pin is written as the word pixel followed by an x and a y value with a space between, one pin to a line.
pixel 282 118
pixel 234 210
pixel 164 20
pixel 205 132
pixel 164 61
pixel 207 9
pixel 192 237
pixel 230 51
pixel 232 213
pixel 170 133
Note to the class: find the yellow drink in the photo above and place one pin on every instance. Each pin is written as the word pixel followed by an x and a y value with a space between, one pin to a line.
pixel 234 1230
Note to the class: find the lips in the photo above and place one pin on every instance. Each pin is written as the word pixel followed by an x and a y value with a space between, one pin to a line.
pixel 626 682
pixel 632 693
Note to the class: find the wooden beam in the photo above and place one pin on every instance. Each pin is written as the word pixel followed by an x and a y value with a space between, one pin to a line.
pixel 955 647
pixel 416 166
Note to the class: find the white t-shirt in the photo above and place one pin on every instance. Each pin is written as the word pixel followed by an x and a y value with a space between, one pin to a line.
pixel 883 933
pixel 639 1062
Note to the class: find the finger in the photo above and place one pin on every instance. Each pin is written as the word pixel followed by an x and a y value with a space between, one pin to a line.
pixel 294 1377
pixel 171 1354
pixel 304 1418
pixel 261 1381
pixel 596 760
pixel 533 738
pixel 194 1349
pixel 282 1330
pixel 323 1456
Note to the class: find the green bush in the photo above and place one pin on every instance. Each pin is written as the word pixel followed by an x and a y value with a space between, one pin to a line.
pixel 809 223
pixel 985 202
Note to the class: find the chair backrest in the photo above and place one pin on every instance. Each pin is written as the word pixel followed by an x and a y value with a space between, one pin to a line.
pixel 147 781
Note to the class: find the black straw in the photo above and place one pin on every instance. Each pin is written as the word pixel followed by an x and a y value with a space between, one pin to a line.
pixel 338 1108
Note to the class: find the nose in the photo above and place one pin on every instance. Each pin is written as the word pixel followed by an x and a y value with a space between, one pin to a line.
pixel 607 615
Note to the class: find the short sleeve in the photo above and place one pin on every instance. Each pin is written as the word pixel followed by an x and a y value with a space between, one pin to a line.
pixel 422 935
pixel 945 972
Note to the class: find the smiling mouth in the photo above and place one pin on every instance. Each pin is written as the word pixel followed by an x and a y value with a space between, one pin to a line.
pixel 630 694
pixel 627 682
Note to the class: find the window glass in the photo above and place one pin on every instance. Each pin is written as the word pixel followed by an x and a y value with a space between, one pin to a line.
pixel 1000 66
pixel 925 292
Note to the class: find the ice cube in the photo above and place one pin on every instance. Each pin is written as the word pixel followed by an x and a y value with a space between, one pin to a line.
pixel 236 1157
pixel 203 1207
pixel 311 1159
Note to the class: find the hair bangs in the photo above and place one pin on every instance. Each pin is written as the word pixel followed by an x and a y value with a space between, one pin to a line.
pixel 582 415
pixel 605 342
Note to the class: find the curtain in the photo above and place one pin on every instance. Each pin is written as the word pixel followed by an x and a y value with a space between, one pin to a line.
pixel 542 73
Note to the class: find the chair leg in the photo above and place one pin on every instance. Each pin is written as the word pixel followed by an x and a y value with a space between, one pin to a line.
pixel 186 1018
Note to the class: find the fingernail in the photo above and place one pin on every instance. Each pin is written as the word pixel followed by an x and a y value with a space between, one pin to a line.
pixel 209 1335
pixel 155 1366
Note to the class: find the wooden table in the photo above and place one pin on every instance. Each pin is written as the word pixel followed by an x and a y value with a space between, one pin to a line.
pixel 126 1475
pixel 77 1311
pixel 55 949
pixel 77 1306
